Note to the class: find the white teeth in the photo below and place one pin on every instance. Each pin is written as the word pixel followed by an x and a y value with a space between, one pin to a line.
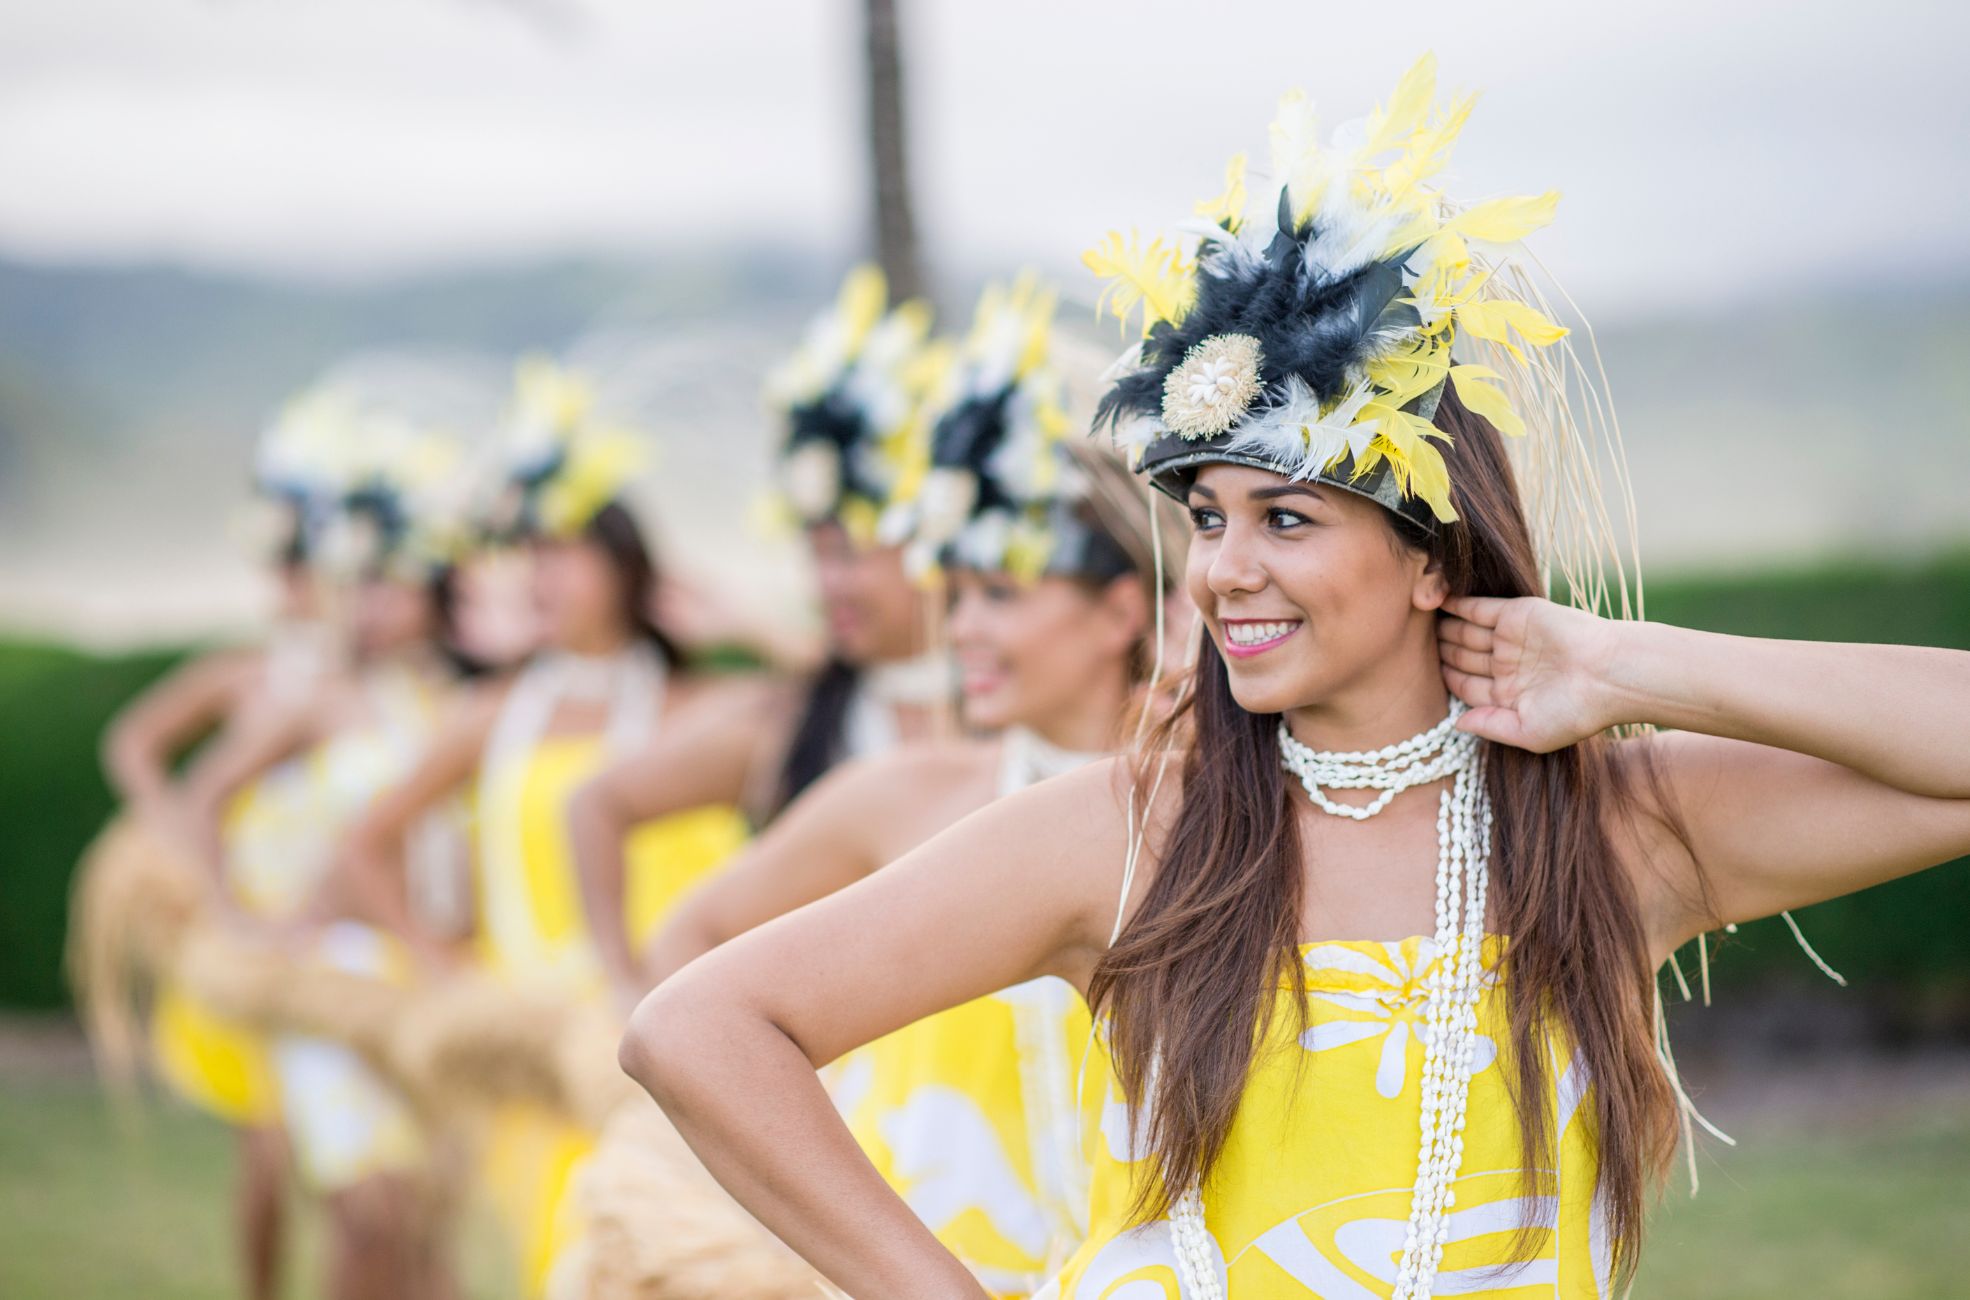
pixel 1257 633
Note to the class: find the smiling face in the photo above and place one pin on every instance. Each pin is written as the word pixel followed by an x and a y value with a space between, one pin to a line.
pixel 874 613
pixel 1305 588
pixel 1031 653
pixel 389 615
pixel 577 594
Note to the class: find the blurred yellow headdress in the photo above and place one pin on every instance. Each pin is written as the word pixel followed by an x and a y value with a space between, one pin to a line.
pixel 364 485
pixel 563 463
pixel 853 394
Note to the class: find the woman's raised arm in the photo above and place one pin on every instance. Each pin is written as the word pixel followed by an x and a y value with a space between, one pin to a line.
pixel 1800 770
pixel 1024 887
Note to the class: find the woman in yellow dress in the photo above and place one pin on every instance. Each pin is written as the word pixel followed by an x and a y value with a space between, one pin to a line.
pixel 1371 928
pixel 387 545
pixel 1051 576
pixel 853 395
pixel 605 681
pixel 218 1066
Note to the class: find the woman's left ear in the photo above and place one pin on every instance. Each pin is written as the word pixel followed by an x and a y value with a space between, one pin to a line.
pixel 1430 590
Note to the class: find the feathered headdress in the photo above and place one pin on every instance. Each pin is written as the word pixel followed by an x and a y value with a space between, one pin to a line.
pixel 357 486
pixel 563 463
pixel 301 466
pixel 404 510
pixel 1004 485
pixel 852 393
pixel 1319 347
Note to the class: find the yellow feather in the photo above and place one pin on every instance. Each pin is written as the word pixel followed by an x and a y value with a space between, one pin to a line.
pixel 1389 127
pixel 860 304
pixel 1428 149
pixel 1040 304
pixel 1484 399
pixel 914 316
pixel 1228 208
pixel 1154 277
pixel 1494 320
pixel 1404 376
pixel 1429 478
pixel 1502 221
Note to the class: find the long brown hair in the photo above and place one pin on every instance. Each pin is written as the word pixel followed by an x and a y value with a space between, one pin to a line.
pixel 1188 986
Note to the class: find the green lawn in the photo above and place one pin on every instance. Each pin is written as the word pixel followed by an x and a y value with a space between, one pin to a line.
pixel 1880 1211
pixel 87 1212
pixel 1868 1210
pixel 92 1208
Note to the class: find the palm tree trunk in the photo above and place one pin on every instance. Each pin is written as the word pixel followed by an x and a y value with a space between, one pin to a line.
pixel 896 226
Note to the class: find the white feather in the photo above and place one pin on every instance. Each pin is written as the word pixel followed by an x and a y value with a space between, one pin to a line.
pixel 1293 433
pixel 1129 362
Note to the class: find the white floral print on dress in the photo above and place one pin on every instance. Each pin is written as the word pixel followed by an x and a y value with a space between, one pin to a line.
pixel 1385 994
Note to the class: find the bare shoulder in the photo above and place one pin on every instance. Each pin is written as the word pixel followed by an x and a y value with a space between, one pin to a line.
pixel 239 666
pixel 471 710
pixel 706 701
pixel 934 762
pixel 741 690
pixel 231 674
pixel 896 800
pixel 1077 831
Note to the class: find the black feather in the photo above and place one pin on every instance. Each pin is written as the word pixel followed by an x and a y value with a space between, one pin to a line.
pixel 1308 324
pixel 834 419
pixel 968 436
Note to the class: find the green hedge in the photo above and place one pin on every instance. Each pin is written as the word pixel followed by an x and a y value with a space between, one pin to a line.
pixel 54 703
pixel 1895 938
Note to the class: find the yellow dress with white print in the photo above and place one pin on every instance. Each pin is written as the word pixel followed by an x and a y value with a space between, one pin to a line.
pixel 268 829
pixel 345 1121
pixel 970 1114
pixel 1311 1196
pixel 533 929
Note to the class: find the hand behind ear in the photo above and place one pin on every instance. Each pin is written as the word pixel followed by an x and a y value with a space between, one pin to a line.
pixel 1532 672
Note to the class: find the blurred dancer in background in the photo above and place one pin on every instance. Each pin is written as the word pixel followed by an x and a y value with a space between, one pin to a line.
pixel 854 394
pixel 228 693
pixel 605 679
pixel 1051 569
pixel 385 545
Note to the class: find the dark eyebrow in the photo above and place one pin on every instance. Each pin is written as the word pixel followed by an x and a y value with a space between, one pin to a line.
pixel 1287 490
pixel 1266 494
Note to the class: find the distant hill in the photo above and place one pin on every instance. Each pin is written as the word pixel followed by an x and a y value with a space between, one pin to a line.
pixel 128 396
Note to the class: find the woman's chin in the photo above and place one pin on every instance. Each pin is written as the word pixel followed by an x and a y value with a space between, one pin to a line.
pixel 986 714
pixel 1265 692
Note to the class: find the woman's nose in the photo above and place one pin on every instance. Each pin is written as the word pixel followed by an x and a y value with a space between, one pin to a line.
pixel 1234 565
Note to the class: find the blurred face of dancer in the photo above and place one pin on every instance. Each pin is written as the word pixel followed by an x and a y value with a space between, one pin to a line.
pixel 296 599
pixel 578 596
pixel 495 621
pixel 389 616
pixel 1029 652
pixel 1306 589
pixel 874 612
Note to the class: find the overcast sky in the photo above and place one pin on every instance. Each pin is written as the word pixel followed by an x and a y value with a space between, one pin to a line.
pixel 1704 149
